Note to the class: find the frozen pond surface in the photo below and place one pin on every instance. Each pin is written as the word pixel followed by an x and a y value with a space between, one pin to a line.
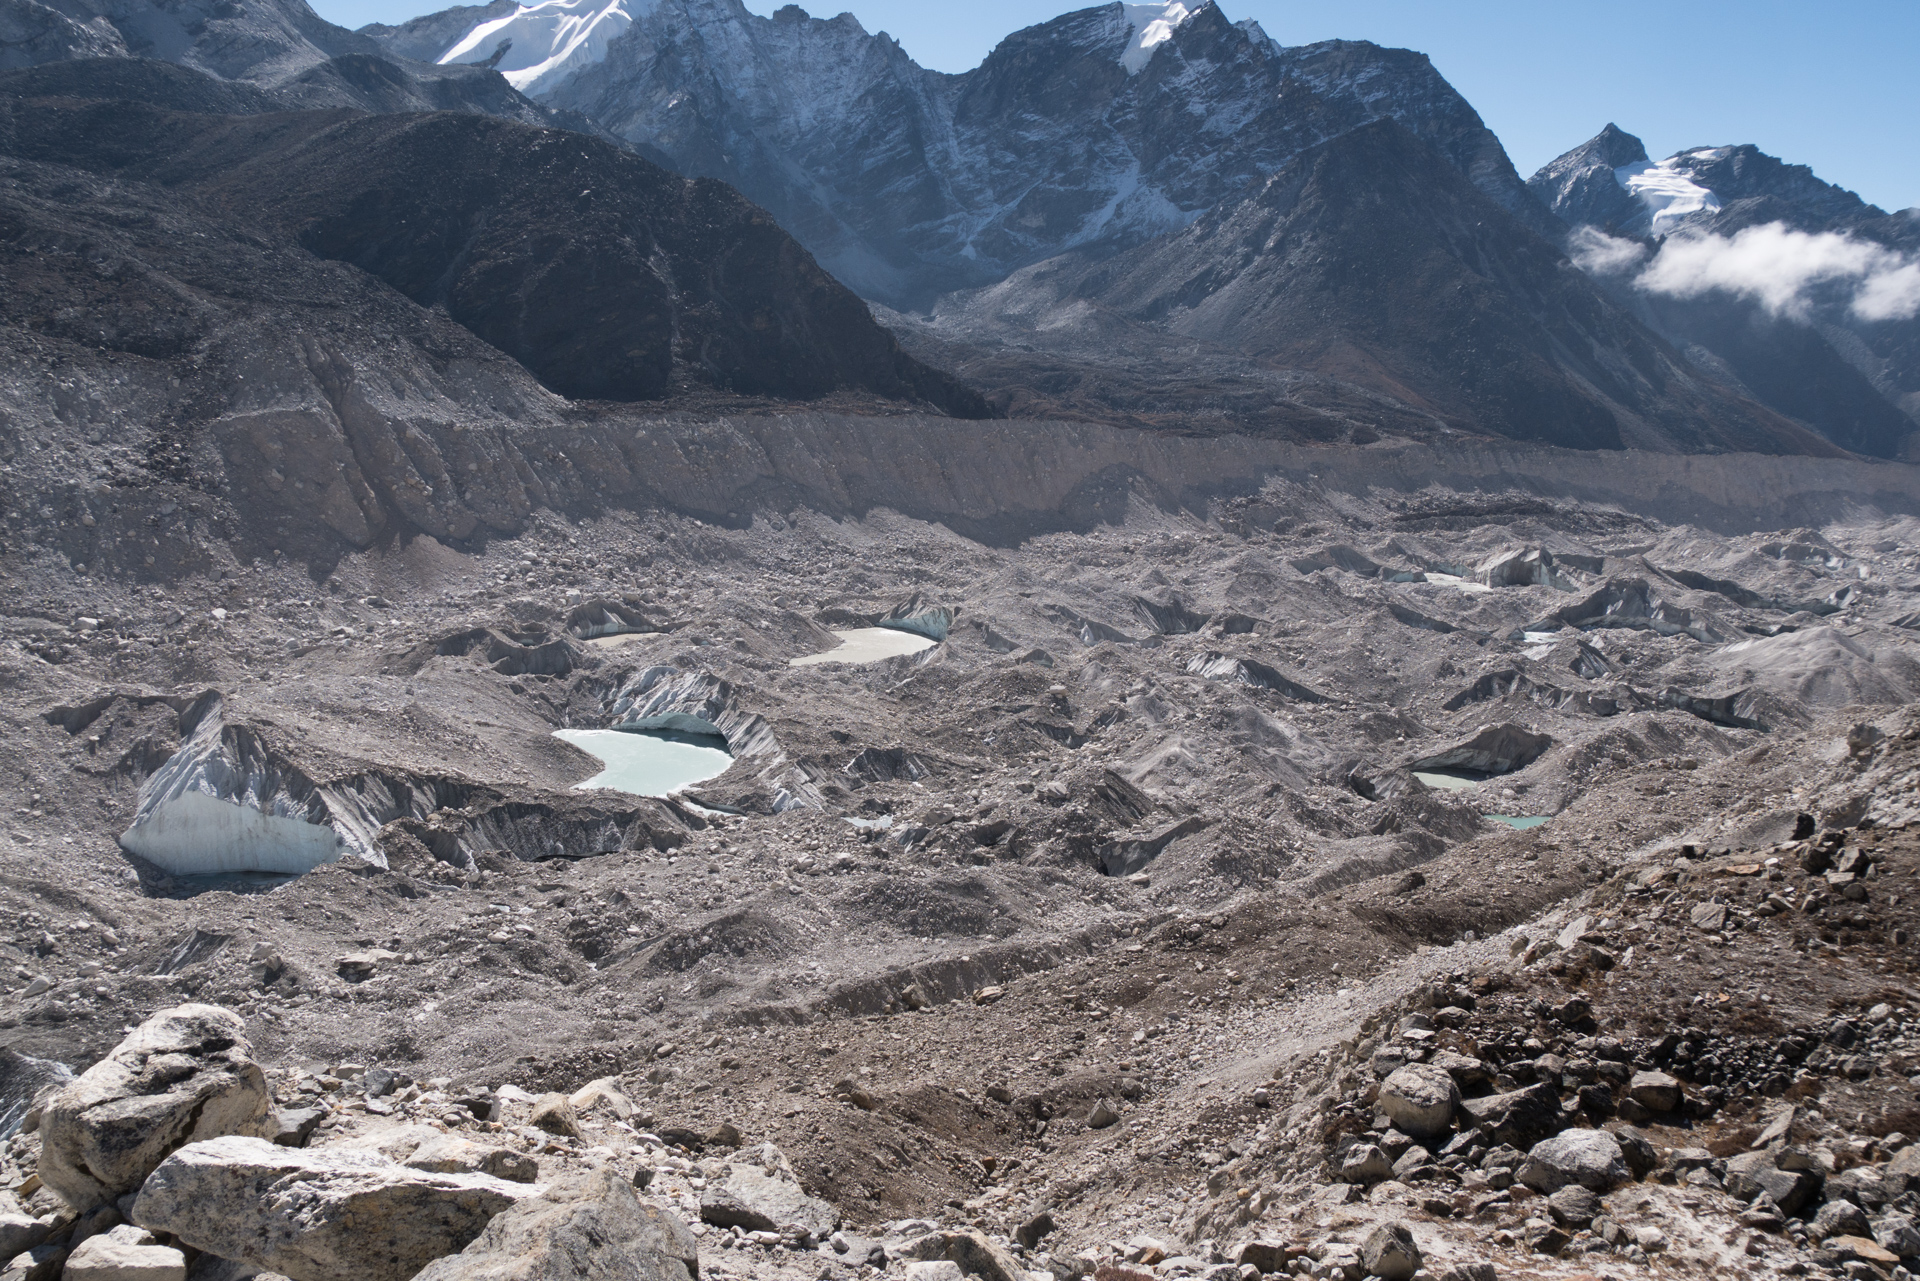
pixel 656 763
pixel 1448 781
pixel 1518 824
pixel 869 645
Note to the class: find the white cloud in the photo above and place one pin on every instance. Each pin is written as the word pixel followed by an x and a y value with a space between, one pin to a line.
pixel 1781 268
pixel 1598 254
pixel 1894 295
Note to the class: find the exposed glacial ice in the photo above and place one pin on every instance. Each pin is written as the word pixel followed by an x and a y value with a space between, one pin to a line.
pixel 1153 26
pixel 549 41
pixel 198 834
pixel 223 803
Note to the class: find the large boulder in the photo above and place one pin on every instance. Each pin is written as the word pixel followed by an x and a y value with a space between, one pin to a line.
pixel 1419 1100
pixel 185 1075
pixel 1590 1158
pixel 588 1227
pixel 321 1215
pixel 759 1192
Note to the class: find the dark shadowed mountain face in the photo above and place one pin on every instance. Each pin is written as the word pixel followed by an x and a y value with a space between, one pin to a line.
pixel 908 183
pixel 1855 379
pixel 633 284
pixel 1372 260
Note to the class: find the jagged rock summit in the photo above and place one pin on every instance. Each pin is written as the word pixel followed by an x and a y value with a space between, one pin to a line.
pixel 1130 119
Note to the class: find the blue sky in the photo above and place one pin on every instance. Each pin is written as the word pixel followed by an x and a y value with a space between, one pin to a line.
pixel 1834 85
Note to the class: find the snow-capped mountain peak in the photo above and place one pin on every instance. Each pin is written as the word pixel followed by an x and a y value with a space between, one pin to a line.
pixel 1153 26
pixel 1668 190
pixel 546 42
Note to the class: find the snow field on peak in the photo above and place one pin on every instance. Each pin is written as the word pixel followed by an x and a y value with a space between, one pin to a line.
pixel 1153 26
pixel 1668 191
pixel 551 40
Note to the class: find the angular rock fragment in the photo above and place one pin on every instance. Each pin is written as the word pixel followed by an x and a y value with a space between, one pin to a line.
pixel 554 1114
pixel 1752 1173
pixel 973 1253
pixel 1654 1091
pixel 1390 1252
pixel 125 1254
pixel 1519 1118
pixel 1590 1158
pixel 761 1193
pixel 1419 1100
pixel 185 1075
pixel 317 1215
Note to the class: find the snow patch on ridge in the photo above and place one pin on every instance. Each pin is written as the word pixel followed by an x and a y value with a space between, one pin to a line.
pixel 1153 26
pixel 1667 190
pixel 551 40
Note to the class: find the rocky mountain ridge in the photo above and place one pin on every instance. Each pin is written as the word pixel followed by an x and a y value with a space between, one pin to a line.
pixel 1372 260
pixel 1850 373
pixel 908 183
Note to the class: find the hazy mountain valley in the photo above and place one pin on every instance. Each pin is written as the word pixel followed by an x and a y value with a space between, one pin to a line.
pixel 641 641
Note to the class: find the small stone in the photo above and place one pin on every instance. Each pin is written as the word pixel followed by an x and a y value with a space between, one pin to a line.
pixel 554 1114
pixel 1103 1115
pixel 1543 1237
pixel 1711 917
pixel 1364 1163
pixel 1573 1207
pixel 1655 1091
pixel 1034 1230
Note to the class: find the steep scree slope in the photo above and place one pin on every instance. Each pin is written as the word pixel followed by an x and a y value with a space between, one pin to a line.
pixel 639 283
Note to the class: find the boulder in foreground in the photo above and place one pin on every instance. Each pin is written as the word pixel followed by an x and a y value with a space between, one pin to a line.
pixel 185 1075
pixel 318 1216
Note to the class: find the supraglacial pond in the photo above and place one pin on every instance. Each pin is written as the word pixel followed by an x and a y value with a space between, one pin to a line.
pixel 1518 824
pixel 869 645
pixel 653 763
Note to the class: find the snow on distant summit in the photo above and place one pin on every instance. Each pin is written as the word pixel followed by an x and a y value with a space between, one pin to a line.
pixel 1667 190
pixel 1153 26
pixel 545 43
